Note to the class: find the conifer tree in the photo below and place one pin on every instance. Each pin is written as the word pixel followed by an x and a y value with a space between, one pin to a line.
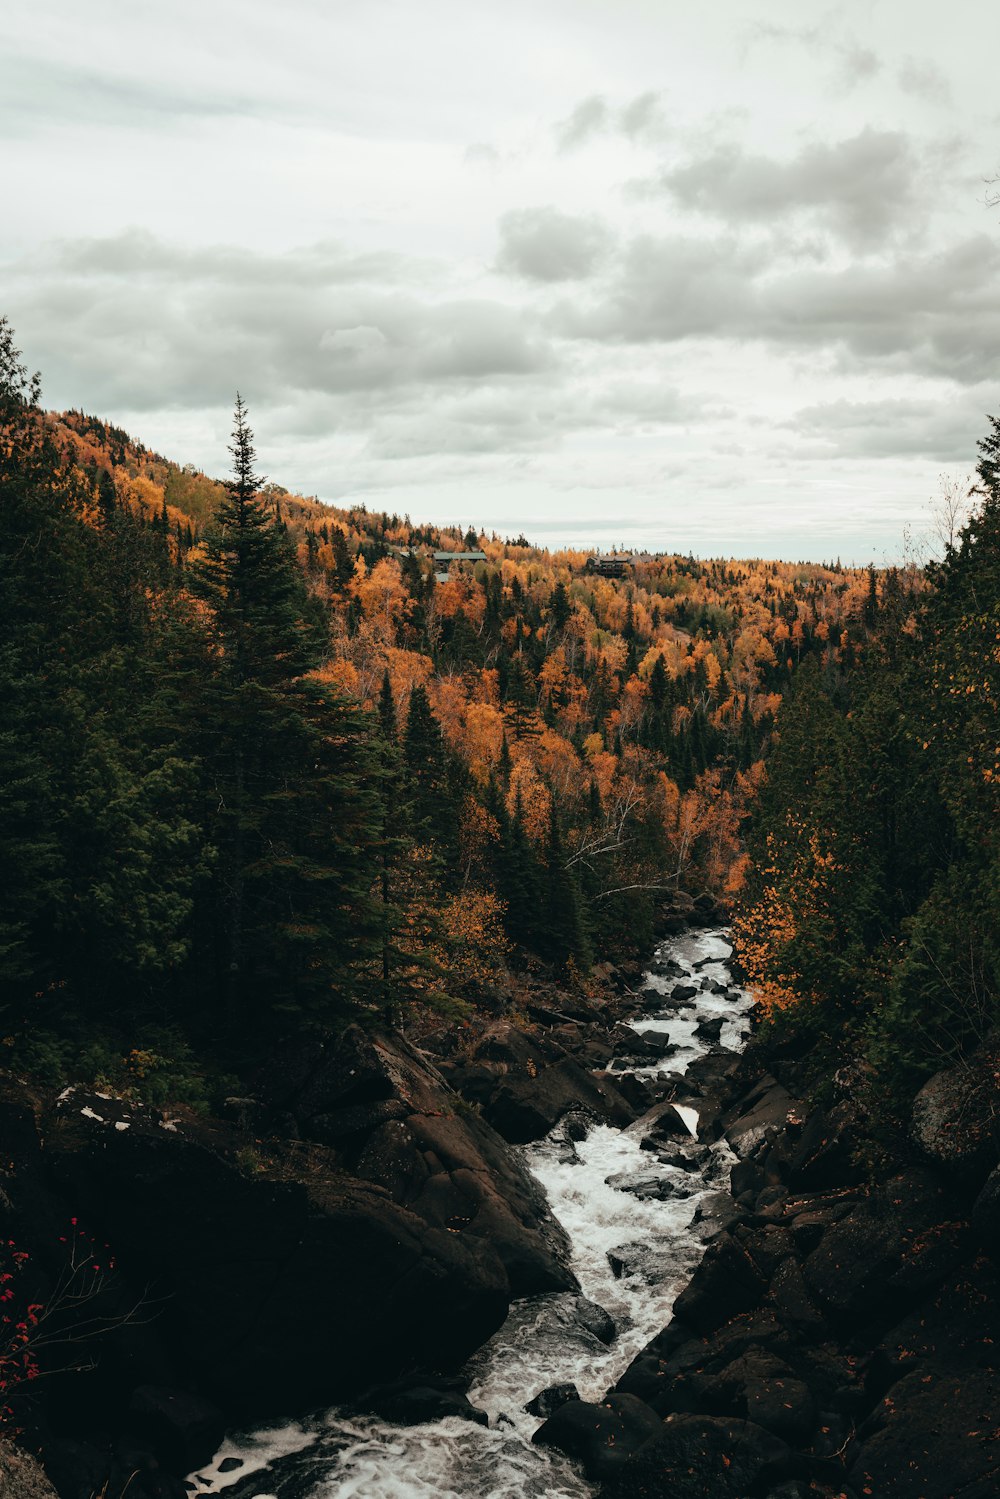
pixel 289 773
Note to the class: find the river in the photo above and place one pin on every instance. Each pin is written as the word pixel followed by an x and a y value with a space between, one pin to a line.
pixel 339 1455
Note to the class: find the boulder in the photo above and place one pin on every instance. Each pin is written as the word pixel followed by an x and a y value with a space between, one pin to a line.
pixel 851 1270
pixel 765 1108
pixel 601 1437
pixel 546 1402
pixel 933 1434
pixel 20 1475
pixel 726 1283
pixel 413 1404
pixel 694 1457
pixel 954 1119
pixel 402 1246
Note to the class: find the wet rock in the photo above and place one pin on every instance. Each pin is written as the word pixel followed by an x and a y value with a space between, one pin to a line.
pixel 601 1437
pixel 726 1283
pixel 412 1405
pixel 709 1029
pixel 669 1124
pixel 681 992
pixel 599 1323
pixel 641 1093
pixel 765 1108
pixel 652 1186
pixel 546 1402
pixel 183 1430
pixel 695 1456
pixel 714 1214
pixel 650 1261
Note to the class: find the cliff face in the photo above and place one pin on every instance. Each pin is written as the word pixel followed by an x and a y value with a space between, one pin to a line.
pixel 354 1224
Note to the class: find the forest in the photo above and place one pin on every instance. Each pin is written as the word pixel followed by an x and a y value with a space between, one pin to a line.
pixel 272 766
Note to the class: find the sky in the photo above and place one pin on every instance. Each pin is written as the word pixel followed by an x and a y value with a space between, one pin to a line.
pixel 721 279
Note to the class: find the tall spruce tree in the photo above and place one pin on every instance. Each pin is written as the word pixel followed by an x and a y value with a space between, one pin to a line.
pixel 290 783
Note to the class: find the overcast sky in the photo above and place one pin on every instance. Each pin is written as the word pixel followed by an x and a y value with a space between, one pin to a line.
pixel 714 278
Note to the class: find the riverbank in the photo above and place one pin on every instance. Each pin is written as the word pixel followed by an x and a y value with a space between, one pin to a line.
pixel 841 1335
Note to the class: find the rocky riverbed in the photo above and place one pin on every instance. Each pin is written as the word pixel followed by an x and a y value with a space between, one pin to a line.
pixel 593 1250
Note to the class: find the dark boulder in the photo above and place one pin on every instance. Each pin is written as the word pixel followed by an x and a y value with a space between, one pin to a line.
pixel 850 1272
pixel 546 1402
pixel 726 1283
pixel 703 1457
pixel 933 1434
pixel 764 1109
pixel 601 1437
pixel 413 1404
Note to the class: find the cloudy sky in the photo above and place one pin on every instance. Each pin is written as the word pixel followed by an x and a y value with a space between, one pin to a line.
pixel 718 278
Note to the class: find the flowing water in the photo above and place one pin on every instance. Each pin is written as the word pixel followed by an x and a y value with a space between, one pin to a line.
pixel 337 1455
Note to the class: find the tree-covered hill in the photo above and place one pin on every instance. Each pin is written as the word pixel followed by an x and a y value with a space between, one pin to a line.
pixel 270 762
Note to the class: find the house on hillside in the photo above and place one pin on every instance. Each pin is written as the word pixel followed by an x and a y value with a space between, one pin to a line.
pixel 611 566
pixel 445 561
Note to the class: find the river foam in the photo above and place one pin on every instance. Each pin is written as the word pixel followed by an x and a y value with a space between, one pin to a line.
pixel 653 1243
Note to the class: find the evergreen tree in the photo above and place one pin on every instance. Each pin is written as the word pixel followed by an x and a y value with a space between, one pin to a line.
pixel 290 777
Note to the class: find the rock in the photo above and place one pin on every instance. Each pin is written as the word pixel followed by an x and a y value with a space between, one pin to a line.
pixel 525 1106
pixel 745 1177
pixel 599 1323
pixel 784 1407
pixel 651 1186
pixel 933 1434
pixel 824 1155
pixel 709 1029
pixel 953 1121
pixel 681 992
pixel 20 1475
pixel 415 1259
pixel 714 1214
pixel 601 1437
pixel 651 1261
pixel 638 1092
pixel 792 1303
pixel 810 1223
pixel 183 1430
pixel 694 1457
pixel 412 1405
pixel 765 1108
pixel 851 1269
pixel 357 1119
pixel 726 1283
pixel 669 1123
pixel 546 1402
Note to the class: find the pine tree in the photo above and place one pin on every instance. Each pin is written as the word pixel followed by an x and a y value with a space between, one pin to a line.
pixel 290 776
